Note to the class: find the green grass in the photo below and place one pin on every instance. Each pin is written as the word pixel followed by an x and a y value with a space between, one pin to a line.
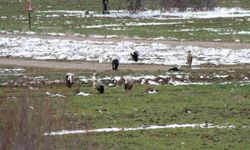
pixel 213 103
pixel 32 113
pixel 239 3
pixel 185 139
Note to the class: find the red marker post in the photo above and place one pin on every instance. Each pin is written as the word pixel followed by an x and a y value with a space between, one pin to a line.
pixel 28 8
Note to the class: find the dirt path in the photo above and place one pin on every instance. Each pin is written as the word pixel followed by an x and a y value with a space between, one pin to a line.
pixel 74 65
pixel 94 66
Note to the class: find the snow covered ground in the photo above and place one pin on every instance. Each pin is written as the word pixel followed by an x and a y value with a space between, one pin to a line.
pixel 218 12
pixel 150 127
pixel 104 51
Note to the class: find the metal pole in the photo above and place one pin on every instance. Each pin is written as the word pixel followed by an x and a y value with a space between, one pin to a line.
pixel 29 21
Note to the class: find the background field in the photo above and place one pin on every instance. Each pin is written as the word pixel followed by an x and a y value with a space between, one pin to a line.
pixel 28 108
pixel 15 19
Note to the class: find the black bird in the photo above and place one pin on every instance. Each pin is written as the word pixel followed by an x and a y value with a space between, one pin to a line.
pixel 174 69
pixel 135 55
pixel 115 64
pixel 69 79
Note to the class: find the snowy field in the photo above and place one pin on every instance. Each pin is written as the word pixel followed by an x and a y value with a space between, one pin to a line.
pixel 150 53
pixel 218 12
pixel 104 51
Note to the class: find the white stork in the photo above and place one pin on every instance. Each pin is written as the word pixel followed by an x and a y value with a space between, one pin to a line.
pixel 69 79
pixel 189 59
pixel 97 84
pixel 129 82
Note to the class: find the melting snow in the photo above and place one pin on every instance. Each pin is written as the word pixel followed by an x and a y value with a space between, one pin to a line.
pixel 6 70
pixel 219 12
pixel 82 94
pixel 101 51
pixel 152 92
pixel 150 127
pixel 150 82
pixel 54 95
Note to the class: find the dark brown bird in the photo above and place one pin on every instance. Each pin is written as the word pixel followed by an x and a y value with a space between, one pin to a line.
pixel 135 55
pixel 115 64
pixel 174 69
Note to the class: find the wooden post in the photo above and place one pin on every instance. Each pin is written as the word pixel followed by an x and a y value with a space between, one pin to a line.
pixel 28 8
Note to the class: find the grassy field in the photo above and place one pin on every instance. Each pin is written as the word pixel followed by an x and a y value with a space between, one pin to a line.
pixel 15 19
pixel 29 112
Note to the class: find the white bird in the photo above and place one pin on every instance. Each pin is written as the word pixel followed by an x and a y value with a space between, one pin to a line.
pixel 69 79
pixel 129 83
pixel 97 84
pixel 189 59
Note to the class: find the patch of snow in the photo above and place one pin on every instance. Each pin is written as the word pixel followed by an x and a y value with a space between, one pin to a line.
pixel 150 82
pixel 131 24
pixel 226 83
pixel 6 70
pixel 82 94
pixel 111 84
pixel 177 83
pixel 30 33
pixel 219 12
pixel 101 51
pixel 244 83
pixel 152 92
pixel 3 17
pixel 149 127
pixel 221 76
pixel 54 95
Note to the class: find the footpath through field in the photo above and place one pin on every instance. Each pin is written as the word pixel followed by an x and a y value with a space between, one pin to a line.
pixel 78 65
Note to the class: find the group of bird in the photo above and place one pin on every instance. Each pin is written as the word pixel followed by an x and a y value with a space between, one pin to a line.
pixel 98 84
pixel 115 61
pixel 129 81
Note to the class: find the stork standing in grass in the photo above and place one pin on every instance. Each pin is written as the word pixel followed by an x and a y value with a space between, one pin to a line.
pixel 69 79
pixel 115 63
pixel 135 55
pixel 97 84
pixel 129 83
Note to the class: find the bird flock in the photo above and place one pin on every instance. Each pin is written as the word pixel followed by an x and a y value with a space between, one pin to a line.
pixel 98 84
pixel 129 81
